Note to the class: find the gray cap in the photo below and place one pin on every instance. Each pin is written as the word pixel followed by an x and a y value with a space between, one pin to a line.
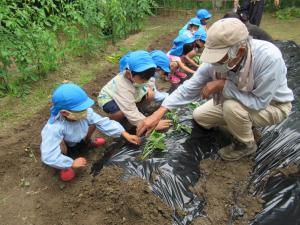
pixel 221 36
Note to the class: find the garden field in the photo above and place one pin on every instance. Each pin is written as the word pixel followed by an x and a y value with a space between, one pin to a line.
pixel 32 193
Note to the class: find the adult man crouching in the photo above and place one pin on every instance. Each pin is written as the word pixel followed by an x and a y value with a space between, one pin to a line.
pixel 245 80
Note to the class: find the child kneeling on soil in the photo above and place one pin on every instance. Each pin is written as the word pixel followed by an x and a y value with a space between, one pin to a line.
pixel 162 70
pixel 120 96
pixel 71 124
pixel 193 57
pixel 182 46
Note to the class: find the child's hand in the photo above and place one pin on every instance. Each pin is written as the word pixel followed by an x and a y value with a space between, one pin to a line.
pixel 132 138
pixel 79 163
pixel 163 124
pixel 150 94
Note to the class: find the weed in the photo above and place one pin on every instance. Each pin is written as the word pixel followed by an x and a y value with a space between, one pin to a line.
pixel 24 183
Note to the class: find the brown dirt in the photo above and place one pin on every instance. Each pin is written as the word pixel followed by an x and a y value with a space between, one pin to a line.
pixel 224 185
pixel 105 199
pixel 163 43
pixel 31 193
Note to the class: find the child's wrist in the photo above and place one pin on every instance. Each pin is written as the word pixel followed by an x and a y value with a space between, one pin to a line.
pixel 125 134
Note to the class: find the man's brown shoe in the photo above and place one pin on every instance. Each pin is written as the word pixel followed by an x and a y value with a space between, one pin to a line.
pixel 237 150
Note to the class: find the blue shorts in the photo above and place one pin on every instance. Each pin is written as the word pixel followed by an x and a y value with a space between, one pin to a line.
pixel 111 107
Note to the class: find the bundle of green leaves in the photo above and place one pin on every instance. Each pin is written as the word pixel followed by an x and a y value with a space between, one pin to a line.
pixel 155 142
pixel 178 127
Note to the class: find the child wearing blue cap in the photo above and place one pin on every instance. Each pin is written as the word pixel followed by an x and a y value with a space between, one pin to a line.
pixel 193 57
pixel 162 62
pixel 162 70
pixel 181 47
pixel 203 15
pixel 71 124
pixel 193 26
pixel 120 96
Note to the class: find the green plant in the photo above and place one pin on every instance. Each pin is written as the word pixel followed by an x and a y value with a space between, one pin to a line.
pixel 193 105
pixel 37 36
pixel 114 58
pixel 155 141
pixel 288 13
pixel 178 127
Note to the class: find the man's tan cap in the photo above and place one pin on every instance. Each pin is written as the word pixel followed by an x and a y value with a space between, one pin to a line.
pixel 221 36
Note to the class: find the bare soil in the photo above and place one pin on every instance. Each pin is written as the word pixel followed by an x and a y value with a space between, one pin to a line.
pixel 224 186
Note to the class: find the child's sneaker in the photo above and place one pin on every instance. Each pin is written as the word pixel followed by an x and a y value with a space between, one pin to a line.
pixel 97 143
pixel 181 75
pixel 67 174
pixel 173 79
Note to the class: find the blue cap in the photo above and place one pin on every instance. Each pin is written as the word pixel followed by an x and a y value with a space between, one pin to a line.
pixel 195 21
pixel 69 97
pixel 179 42
pixel 123 62
pixel 140 61
pixel 203 14
pixel 161 60
pixel 200 34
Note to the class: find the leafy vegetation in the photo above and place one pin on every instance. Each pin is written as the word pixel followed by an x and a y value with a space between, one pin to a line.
pixel 193 105
pixel 114 58
pixel 288 13
pixel 38 35
pixel 178 127
pixel 155 141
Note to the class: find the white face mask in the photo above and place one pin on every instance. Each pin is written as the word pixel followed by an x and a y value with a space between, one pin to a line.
pixel 77 115
pixel 136 85
pixel 220 68
pixel 224 67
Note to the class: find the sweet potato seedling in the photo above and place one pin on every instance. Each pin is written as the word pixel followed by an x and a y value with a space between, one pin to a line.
pixel 155 142
pixel 178 127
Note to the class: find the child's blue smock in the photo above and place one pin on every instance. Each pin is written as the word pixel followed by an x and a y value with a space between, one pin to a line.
pixel 72 133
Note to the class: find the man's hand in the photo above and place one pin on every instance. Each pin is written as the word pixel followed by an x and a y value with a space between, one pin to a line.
pixel 212 87
pixel 149 123
pixel 150 94
pixel 163 124
pixel 79 163
pixel 131 138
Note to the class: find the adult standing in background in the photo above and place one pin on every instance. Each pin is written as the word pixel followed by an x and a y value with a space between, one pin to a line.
pixel 254 9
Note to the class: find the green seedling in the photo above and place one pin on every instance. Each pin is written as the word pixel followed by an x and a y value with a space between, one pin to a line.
pixel 155 142
pixel 178 127
pixel 193 105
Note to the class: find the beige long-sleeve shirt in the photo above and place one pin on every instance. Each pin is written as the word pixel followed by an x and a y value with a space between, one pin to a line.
pixel 121 90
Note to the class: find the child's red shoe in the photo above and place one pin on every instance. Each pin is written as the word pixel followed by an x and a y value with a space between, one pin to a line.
pixel 180 74
pixel 98 142
pixel 67 174
pixel 173 79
